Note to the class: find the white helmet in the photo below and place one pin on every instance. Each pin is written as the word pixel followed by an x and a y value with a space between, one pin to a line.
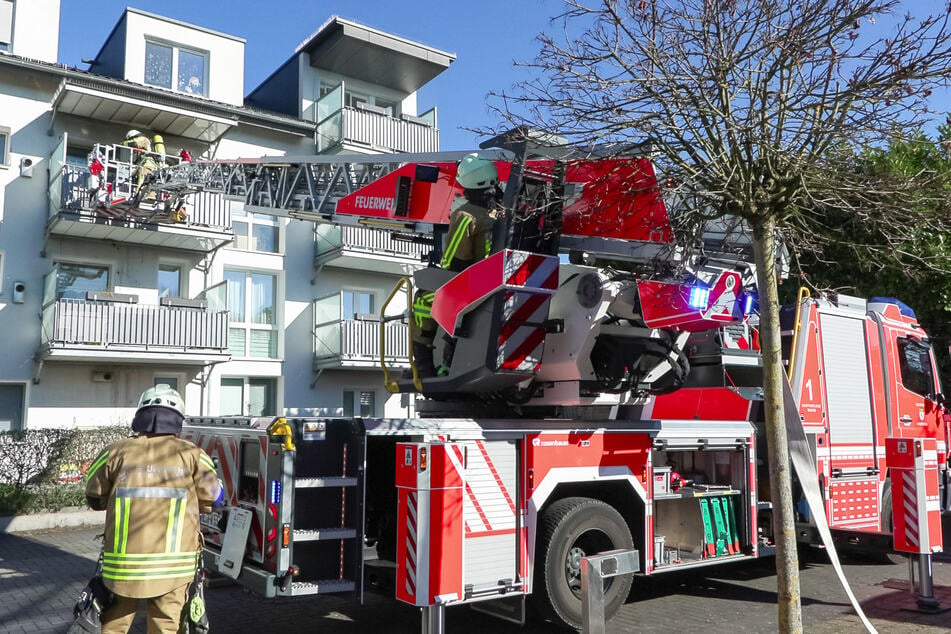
pixel 131 134
pixel 162 395
pixel 476 172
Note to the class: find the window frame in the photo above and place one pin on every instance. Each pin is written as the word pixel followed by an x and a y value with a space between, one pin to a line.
pixel 356 293
pixel 7 135
pixel 247 324
pixel 355 398
pixel 908 374
pixel 175 66
pixel 246 383
pixel 251 220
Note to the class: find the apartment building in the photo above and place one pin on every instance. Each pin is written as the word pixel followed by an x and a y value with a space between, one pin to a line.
pixel 244 313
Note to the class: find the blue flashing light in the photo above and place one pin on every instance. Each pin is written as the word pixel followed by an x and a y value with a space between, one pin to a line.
pixel 903 308
pixel 748 303
pixel 275 492
pixel 699 297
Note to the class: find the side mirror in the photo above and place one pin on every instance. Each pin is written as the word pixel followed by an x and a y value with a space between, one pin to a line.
pixel 938 398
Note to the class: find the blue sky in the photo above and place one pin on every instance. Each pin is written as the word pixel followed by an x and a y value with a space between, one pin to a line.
pixel 485 35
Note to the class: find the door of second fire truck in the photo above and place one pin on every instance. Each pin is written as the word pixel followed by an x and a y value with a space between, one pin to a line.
pixel 854 479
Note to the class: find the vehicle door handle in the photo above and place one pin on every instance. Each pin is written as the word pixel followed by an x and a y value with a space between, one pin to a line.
pixel 905 419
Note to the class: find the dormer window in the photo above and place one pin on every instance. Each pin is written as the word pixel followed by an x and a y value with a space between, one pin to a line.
pixel 166 62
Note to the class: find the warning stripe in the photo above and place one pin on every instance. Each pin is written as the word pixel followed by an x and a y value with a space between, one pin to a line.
pixel 478 509
pixel 531 343
pixel 532 270
pixel 523 313
pixel 910 493
pixel 495 474
pixel 411 502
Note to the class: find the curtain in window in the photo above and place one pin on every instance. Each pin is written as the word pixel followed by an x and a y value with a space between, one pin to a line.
pixel 262 299
pixel 235 280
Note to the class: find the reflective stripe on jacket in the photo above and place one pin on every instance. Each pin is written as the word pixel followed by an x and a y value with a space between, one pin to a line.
pixel 152 489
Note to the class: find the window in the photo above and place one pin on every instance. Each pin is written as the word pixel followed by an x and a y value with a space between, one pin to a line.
pixel 360 403
pixel 11 406
pixel 6 25
pixel 169 380
pixel 165 63
pixel 4 142
pixel 356 302
pixel 914 358
pixel 169 280
pixel 73 281
pixel 255 232
pixel 248 397
pixel 252 304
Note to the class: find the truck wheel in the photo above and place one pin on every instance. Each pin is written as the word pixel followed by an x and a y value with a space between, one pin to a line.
pixel 570 529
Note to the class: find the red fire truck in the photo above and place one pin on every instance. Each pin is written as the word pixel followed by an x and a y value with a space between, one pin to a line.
pixel 602 393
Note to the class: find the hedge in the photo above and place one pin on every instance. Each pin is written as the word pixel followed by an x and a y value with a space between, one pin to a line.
pixel 43 469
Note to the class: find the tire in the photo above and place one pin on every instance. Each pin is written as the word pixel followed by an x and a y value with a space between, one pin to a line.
pixel 568 530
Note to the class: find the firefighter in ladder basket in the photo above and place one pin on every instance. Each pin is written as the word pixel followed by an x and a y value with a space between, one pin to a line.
pixel 467 242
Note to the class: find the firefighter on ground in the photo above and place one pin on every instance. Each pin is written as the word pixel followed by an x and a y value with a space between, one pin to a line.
pixel 152 487
pixel 142 157
pixel 468 241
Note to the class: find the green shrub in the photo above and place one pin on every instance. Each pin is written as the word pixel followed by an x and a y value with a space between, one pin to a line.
pixel 48 457
pixel 38 499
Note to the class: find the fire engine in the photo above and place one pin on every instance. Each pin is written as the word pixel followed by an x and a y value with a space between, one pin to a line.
pixel 602 393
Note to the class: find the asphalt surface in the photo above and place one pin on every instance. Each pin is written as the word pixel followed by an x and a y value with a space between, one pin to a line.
pixel 41 573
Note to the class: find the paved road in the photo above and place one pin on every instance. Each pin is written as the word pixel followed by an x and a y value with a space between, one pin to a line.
pixel 41 573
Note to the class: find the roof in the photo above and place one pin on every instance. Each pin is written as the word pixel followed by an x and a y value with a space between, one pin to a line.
pixel 374 56
pixel 87 94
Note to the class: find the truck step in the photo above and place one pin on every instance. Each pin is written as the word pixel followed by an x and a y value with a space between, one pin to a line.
pixel 316 534
pixel 316 483
pixel 322 586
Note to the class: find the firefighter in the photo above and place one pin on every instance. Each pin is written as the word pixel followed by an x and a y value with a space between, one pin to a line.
pixel 141 157
pixel 467 242
pixel 152 487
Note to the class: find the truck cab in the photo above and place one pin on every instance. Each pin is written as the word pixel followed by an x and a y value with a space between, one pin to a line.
pixel 863 371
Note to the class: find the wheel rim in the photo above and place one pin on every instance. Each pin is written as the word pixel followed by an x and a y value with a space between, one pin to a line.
pixel 590 542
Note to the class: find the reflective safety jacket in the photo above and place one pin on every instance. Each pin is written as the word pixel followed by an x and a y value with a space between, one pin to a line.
pixel 467 240
pixel 152 489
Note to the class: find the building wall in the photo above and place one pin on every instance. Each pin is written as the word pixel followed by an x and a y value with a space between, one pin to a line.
pixel 225 53
pixel 36 29
pixel 24 108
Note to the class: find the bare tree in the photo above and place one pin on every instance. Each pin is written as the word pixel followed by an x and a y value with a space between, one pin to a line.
pixel 756 109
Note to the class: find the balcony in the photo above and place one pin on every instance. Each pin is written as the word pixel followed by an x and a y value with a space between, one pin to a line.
pixel 110 326
pixel 207 226
pixel 364 249
pixel 353 343
pixel 371 128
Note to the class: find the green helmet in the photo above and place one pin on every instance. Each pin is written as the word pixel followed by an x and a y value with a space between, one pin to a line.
pixel 476 172
pixel 162 395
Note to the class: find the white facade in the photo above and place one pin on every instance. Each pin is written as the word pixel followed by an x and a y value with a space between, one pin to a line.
pixel 59 262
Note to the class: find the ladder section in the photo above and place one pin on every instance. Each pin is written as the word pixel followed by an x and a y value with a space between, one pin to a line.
pixel 298 187
pixel 327 522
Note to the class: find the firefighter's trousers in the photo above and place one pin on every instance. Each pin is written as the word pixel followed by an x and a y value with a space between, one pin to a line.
pixel 164 613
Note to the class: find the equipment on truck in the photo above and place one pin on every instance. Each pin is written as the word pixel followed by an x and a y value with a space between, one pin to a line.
pixel 592 361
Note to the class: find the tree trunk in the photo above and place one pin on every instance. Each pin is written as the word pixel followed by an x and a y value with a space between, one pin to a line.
pixel 787 557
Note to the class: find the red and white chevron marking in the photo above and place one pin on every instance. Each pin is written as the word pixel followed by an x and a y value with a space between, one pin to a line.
pixel 411 540
pixel 489 506
pixel 910 494
pixel 520 346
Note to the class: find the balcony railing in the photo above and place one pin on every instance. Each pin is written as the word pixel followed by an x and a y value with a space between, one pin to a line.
pixel 371 127
pixel 332 242
pixel 353 343
pixel 207 224
pixel 90 326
